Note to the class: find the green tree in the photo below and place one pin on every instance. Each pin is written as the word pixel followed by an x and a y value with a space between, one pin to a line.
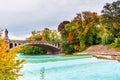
pixel 111 17
pixel 67 48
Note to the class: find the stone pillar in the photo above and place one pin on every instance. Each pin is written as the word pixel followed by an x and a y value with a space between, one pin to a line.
pixel 17 44
pixel 57 45
pixel 13 45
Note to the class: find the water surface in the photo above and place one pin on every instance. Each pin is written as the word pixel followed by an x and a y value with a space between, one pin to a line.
pixel 69 68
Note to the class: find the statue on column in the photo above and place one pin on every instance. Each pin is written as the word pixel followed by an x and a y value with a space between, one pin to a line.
pixel 6 34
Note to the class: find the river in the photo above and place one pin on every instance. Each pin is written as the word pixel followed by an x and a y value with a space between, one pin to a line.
pixel 69 68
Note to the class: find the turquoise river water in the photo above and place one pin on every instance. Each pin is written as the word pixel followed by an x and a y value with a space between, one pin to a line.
pixel 69 68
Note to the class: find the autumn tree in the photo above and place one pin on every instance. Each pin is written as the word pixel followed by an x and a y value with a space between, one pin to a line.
pixel 43 35
pixel 35 35
pixel 54 36
pixel 90 23
pixel 9 65
pixel 46 34
pixel 62 25
pixel 81 31
pixel 61 29
pixel 65 37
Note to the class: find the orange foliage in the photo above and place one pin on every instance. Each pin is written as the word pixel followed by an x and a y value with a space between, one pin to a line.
pixel 30 38
pixel 70 37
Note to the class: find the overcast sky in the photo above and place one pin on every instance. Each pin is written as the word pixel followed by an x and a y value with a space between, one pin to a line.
pixel 21 17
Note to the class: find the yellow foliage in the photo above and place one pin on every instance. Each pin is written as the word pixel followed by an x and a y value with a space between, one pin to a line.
pixel 55 32
pixel 74 27
pixel 9 65
pixel 30 38
pixel 76 47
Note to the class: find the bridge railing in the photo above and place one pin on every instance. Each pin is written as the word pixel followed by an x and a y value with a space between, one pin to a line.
pixel 15 43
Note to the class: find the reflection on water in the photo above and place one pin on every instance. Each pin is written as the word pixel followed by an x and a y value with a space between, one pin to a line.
pixel 42 73
pixel 69 68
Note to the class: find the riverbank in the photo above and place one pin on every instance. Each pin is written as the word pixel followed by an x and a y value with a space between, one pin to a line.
pixel 102 52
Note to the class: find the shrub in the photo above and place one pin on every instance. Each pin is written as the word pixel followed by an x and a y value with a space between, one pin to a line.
pixel 107 38
pixel 82 45
pixel 67 48
pixel 33 50
pixel 117 42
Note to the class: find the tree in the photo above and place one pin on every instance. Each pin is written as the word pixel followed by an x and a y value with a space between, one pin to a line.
pixel 81 31
pixel 111 17
pixel 9 65
pixel 62 25
pixel 46 34
pixel 111 12
pixel 54 36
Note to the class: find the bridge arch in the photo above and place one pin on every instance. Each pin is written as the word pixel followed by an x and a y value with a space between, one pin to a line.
pixel 10 45
pixel 51 47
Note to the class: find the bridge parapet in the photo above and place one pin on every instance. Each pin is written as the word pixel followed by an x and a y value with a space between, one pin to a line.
pixel 51 45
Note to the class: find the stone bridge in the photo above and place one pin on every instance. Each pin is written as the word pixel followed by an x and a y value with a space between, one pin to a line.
pixel 51 47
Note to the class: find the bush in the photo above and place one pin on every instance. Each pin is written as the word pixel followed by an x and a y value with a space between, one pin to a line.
pixel 82 45
pixel 67 48
pixel 33 50
pixel 117 42
pixel 107 38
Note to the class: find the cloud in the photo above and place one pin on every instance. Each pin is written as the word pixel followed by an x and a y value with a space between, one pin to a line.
pixel 23 16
